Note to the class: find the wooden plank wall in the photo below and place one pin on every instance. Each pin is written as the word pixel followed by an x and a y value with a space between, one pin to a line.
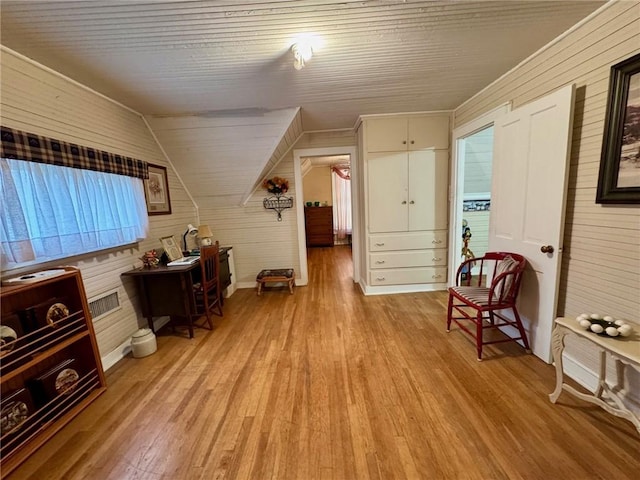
pixel 259 241
pixel 601 264
pixel 37 100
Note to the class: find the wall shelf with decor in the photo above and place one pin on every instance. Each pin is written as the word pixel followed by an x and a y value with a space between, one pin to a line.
pixel 277 187
pixel 50 368
pixel 278 203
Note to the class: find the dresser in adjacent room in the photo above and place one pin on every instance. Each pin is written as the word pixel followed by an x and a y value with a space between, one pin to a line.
pixel 318 222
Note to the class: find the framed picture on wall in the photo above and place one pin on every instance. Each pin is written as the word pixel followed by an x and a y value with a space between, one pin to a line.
pixel 619 179
pixel 156 191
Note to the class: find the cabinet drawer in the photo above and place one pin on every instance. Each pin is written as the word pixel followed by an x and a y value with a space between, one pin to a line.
pixel 408 241
pixel 319 221
pixel 402 276
pixel 411 258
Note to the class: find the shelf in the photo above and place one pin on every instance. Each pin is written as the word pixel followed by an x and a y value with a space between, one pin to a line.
pixel 52 370
pixel 42 343
pixel 278 203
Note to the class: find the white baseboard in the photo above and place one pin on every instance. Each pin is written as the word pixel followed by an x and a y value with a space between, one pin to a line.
pixel 124 348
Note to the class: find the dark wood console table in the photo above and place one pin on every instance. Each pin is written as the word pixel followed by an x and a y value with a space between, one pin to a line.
pixel 168 291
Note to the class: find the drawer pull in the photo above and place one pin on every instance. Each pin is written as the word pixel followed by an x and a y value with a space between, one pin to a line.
pixel 436 241
pixel 380 279
pixel 380 244
pixel 404 202
pixel 412 202
pixel 436 259
pixel 379 262
pixel 436 276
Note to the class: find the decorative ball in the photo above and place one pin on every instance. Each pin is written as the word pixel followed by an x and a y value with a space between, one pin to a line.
pixel 596 328
pixel 584 323
pixel 582 316
pixel 619 322
pixel 624 330
pixel 611 331
pixel 595 316
pixel 608 318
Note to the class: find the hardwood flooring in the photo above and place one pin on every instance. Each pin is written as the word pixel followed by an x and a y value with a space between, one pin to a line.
pixel 330 384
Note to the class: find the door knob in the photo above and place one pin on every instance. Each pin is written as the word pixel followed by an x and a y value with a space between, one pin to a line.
pixel 546 249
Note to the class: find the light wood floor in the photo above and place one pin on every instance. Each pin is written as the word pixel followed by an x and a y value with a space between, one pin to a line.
pixel 327 383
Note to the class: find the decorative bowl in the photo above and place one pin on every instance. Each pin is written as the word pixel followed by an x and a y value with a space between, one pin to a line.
pixel 604 325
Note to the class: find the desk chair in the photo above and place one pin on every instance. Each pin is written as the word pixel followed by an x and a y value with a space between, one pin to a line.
pixel 481 305
pixel 207 291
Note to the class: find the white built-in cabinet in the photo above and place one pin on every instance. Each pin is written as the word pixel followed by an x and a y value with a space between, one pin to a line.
pixel 404 168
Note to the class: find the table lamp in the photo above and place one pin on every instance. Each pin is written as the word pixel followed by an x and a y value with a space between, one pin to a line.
pixel 192 232
pixel 205 234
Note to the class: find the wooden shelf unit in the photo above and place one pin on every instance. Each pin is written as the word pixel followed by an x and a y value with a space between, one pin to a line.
pixel 41 347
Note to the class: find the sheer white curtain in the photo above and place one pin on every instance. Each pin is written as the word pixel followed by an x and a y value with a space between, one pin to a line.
pixel 51 212
pixel 341 206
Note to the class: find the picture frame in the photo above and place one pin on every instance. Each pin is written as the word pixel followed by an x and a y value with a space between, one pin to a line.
pixel 619 176
pixel 156 191
pixel 171 248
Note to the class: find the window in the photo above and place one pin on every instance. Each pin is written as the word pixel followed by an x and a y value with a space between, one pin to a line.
pixel 51 212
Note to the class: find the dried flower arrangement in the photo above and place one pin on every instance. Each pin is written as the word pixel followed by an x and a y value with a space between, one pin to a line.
pixel 276 185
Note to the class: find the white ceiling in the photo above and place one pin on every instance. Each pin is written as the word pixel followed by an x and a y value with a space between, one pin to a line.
pixel 232 58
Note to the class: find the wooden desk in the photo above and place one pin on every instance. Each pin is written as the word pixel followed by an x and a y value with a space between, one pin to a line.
pixel 168 291
pixel 625 351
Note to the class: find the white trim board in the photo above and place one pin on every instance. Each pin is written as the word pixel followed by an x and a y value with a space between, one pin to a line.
pixel 302 278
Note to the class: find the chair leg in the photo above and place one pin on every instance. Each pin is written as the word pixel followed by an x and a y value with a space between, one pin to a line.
pixel 191 333
pixel 479 335
pixel 523 334
pixel 449 312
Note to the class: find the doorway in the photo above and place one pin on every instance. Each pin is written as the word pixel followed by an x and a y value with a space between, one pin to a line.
pixel 471 179
pixel 303 160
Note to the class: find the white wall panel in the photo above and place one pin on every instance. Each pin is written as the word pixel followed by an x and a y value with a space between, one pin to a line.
pixel 38 101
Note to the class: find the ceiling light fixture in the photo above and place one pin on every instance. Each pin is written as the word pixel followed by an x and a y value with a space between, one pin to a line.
pixel 302 53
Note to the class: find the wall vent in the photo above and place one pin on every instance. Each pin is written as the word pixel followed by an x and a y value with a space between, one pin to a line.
pixel 104 304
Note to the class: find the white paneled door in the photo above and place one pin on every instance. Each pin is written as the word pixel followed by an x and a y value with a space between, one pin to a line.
pixel 530 169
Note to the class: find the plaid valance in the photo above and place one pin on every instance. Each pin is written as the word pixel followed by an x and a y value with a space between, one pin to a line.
pixel 20 145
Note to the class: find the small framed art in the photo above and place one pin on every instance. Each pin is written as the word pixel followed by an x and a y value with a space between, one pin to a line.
pixel 171 248
pixel 156 191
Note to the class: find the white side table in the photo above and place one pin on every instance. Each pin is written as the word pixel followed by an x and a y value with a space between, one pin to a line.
pixel 625 351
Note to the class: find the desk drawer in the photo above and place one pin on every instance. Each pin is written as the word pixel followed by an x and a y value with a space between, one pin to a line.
pixel 410 258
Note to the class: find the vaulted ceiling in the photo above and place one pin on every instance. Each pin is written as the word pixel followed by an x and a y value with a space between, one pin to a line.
pixel 232 59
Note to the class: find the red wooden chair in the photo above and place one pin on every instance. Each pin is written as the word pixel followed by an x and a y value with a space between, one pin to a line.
pixel 486 306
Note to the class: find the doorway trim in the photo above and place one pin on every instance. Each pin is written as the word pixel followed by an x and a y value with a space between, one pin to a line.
pixel 298 155
pixel 456 187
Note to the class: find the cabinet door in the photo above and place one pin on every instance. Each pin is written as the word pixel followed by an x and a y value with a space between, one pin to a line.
pixel 428 132
pixel 428 186
pixel 387 192
pixel 386 134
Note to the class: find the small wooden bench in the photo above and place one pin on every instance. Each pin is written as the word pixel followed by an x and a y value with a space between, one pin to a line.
pixel 276 275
